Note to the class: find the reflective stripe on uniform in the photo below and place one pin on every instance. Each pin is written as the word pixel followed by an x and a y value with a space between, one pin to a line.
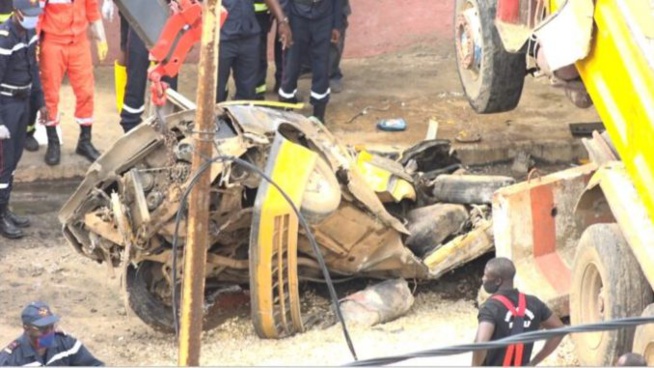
pixel 287 95
pixel 83 121
pixel 4 17
pixel 66 353
pixel 33 364
pixel 319 96
pixel 132 110
pixel 9 86
pixel 261 89
pixel 4 185
pixel 260 7
pixel 18 46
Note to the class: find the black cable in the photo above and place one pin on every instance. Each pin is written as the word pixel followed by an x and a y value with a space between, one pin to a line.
pixel 302 220
pixel 525 337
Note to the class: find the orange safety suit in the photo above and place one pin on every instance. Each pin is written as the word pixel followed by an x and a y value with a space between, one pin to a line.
pixel 65 48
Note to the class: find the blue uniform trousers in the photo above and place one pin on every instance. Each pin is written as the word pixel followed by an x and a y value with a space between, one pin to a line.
pixel 15 113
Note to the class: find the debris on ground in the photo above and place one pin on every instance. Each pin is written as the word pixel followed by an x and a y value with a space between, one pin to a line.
pixel 378 303
pixel 466 136
pixel 392 125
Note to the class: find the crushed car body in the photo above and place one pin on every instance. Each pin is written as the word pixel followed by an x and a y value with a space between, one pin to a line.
pixel 372 215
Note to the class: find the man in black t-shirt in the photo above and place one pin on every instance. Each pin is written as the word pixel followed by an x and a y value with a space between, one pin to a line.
pixel 508 312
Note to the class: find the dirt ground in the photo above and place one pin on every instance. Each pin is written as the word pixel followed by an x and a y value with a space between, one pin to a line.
pixel 417 84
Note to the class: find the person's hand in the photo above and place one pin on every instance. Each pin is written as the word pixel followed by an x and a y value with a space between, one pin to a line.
pixel 336 35
pixel 43 115
pixel 4 133
pixel 285 34
pixel 173 7
pixel 103 48
pixel 108 8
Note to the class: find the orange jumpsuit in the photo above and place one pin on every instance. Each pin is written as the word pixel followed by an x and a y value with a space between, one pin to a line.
pixel 65 48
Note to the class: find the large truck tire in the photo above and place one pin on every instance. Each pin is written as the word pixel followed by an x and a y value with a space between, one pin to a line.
pixel 607 283
pixel 644 338
pixel 492 78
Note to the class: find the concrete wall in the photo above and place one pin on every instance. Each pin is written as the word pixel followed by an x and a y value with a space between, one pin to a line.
pixel 376 26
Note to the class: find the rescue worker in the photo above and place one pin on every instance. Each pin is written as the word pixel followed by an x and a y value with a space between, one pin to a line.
pixel 508 312
pixel 6 8
pixel 42 344
pixel 19 76
pixel 314 25
pixel 65 49
pixel 265 24
pixel 631 360
pixel 137 62
pixel 240 37
pixel 131 71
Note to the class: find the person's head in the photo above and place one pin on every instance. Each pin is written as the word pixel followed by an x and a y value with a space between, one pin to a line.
pixel 498 274
pixel 39 324
pixel 27 12
pixel 631 360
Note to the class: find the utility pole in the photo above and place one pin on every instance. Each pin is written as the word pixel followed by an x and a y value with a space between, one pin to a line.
pixel 195 251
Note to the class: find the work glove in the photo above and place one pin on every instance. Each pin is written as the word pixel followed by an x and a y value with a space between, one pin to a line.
pixel 108 8
pixel 103 48
pixel 97 28
pixel 4 133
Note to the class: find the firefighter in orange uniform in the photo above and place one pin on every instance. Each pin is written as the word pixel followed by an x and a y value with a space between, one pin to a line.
pixel 65 49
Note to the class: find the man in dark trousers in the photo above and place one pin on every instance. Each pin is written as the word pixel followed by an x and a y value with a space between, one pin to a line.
pixel 314 24
pixel 6 9
pixel 508 312
pixel 265 24
pixel 137 63
pixel 240 37
pixel 41 344
pixel 19 78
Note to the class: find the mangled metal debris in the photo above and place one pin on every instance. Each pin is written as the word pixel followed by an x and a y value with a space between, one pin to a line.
pixel 371 216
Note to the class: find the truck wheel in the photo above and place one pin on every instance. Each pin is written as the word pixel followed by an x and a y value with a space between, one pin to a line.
pixel 607 283
pixel 492 78
pixel 644 338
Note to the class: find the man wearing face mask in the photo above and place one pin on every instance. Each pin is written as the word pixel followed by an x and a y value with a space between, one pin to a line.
pixel 509 312
pixel 19 80
pixel 41 344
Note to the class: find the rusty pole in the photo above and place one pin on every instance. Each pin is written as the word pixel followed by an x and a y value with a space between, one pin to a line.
pixel 195 252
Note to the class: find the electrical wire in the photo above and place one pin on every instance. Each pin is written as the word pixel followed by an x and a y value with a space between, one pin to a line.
pixel 526 337
pixel 302 220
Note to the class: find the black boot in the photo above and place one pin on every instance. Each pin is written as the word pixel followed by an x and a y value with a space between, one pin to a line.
pixel 84 146
pixel 30 143
pixel 293 100
pixel 53 152
pixel 7 227
pixel 20 221
pixel 319 111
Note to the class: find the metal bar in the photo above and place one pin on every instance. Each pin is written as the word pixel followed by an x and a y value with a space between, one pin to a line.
pixel 195 252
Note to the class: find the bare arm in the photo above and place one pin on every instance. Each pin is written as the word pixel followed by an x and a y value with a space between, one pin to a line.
pixel 484 334
pixel 551 344
pixel 283 27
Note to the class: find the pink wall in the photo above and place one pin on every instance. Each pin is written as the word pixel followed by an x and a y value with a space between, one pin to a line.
pixel 376 26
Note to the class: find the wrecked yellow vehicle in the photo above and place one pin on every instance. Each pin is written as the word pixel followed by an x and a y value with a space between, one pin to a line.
pixel 371 215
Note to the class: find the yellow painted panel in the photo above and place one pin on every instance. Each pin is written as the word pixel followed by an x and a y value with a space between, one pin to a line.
pixel 620 81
